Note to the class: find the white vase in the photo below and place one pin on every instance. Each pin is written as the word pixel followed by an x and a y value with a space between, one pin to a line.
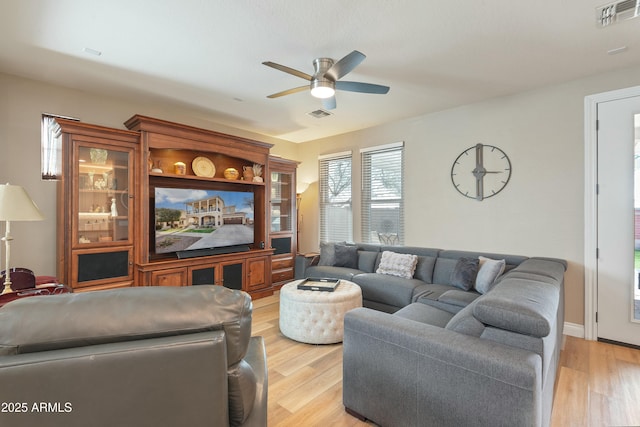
pixel 114 210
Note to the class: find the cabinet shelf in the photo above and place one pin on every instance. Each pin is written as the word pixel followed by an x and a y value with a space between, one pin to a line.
pixel 106 191
pixel 204 178
pixel 105 215
pixel 93 167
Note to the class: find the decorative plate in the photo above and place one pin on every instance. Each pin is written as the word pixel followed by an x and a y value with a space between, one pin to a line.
pixel 203 167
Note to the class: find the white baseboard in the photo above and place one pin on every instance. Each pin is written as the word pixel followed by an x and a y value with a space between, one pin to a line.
pixel 573 330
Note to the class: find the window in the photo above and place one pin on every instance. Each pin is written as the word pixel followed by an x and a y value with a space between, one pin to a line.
pixel 51 147
pixel 336 215
pixel 382 194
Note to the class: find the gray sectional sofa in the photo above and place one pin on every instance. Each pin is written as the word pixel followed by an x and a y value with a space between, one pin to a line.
pixel 426 350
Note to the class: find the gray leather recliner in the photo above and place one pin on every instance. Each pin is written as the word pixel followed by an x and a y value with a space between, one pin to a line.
pixel 152 356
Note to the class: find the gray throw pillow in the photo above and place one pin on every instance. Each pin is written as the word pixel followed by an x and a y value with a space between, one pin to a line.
pixel 488 272
pixel 346 256
pixel 328 253
pixel 464 273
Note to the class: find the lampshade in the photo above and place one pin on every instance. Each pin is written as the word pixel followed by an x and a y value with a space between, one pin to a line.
pixel 301 187
pixel 16 205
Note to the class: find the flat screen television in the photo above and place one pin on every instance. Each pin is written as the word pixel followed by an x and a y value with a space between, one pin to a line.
pixel 191 219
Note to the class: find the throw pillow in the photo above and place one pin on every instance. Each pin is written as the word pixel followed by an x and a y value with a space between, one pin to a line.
pixel 464 273
pixel 401 265
pixel 346 256
pixel 488 272
pixel 328 253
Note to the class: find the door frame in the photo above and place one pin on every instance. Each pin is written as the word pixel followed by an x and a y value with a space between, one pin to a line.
pixel 591 203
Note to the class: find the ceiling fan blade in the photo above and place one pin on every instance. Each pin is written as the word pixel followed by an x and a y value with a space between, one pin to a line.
pixel 362 87
pixel 345 65
pixel 329 103
pixel 289 91
pixel 288 70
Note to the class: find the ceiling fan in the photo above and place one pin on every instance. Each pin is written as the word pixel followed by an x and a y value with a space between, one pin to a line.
pixel 325 79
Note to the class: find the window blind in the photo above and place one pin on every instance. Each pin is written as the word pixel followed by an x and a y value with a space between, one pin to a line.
pixel 336 214
pixel 51 147
pixel 382 194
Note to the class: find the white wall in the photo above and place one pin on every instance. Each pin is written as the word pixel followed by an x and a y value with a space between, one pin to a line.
pixel 539 213
pixel 22 103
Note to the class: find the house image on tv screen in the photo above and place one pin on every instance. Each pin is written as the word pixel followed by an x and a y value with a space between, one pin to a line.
pixel 200 219
pixel 212 212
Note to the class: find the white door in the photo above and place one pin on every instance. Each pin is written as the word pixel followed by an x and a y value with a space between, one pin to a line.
pixel 617 272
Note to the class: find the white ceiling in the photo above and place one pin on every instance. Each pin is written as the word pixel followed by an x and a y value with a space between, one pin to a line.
pixel 208 54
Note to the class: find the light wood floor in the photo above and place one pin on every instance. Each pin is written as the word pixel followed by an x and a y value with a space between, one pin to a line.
pixel 598 384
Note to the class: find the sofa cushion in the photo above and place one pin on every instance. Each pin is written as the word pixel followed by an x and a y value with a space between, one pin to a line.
pixel 391 290
pixel 424 268
pixel 431 291
pixel 488 272
pixel 367 261
pixel 443 269
pixel 458 298
pixel 520 305
pixel 465 323
pixel 346 256
pixel 425 314
pixel 464 273
pixel 331 271
pixel 444 297
pixel 551 268
pixel 394 264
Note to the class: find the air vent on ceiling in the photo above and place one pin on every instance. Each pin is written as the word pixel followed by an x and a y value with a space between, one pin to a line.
pixel 613 13
pixel 319 114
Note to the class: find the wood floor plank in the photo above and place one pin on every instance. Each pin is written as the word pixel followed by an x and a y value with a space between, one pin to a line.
pixel 571 400
pixel 575 354
pixel 598 384
pixel 311 355
pixel 603 372
pixel 306 393
pixel 627 354
pixel 629 374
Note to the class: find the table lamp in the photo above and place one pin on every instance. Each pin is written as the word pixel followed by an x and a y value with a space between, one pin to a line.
pixel 15 205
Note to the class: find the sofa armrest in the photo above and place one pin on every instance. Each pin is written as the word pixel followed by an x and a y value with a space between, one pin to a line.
pixel 401 372
pixel 303 261
pixel 257 358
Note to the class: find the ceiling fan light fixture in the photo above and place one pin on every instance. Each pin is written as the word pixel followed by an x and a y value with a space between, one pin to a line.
pixel 322 88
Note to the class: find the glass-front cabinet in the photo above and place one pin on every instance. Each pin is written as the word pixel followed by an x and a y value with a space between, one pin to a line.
pixel 104 181
pixel 282 199
pixel 96 209
pixel 283 219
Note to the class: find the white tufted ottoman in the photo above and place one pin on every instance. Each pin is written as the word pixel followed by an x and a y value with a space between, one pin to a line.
pixel 317 317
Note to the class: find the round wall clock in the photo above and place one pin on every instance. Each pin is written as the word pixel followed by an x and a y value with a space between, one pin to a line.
pixel 481 171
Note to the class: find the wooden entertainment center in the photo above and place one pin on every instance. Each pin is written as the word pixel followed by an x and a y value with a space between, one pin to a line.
pixel 106 219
